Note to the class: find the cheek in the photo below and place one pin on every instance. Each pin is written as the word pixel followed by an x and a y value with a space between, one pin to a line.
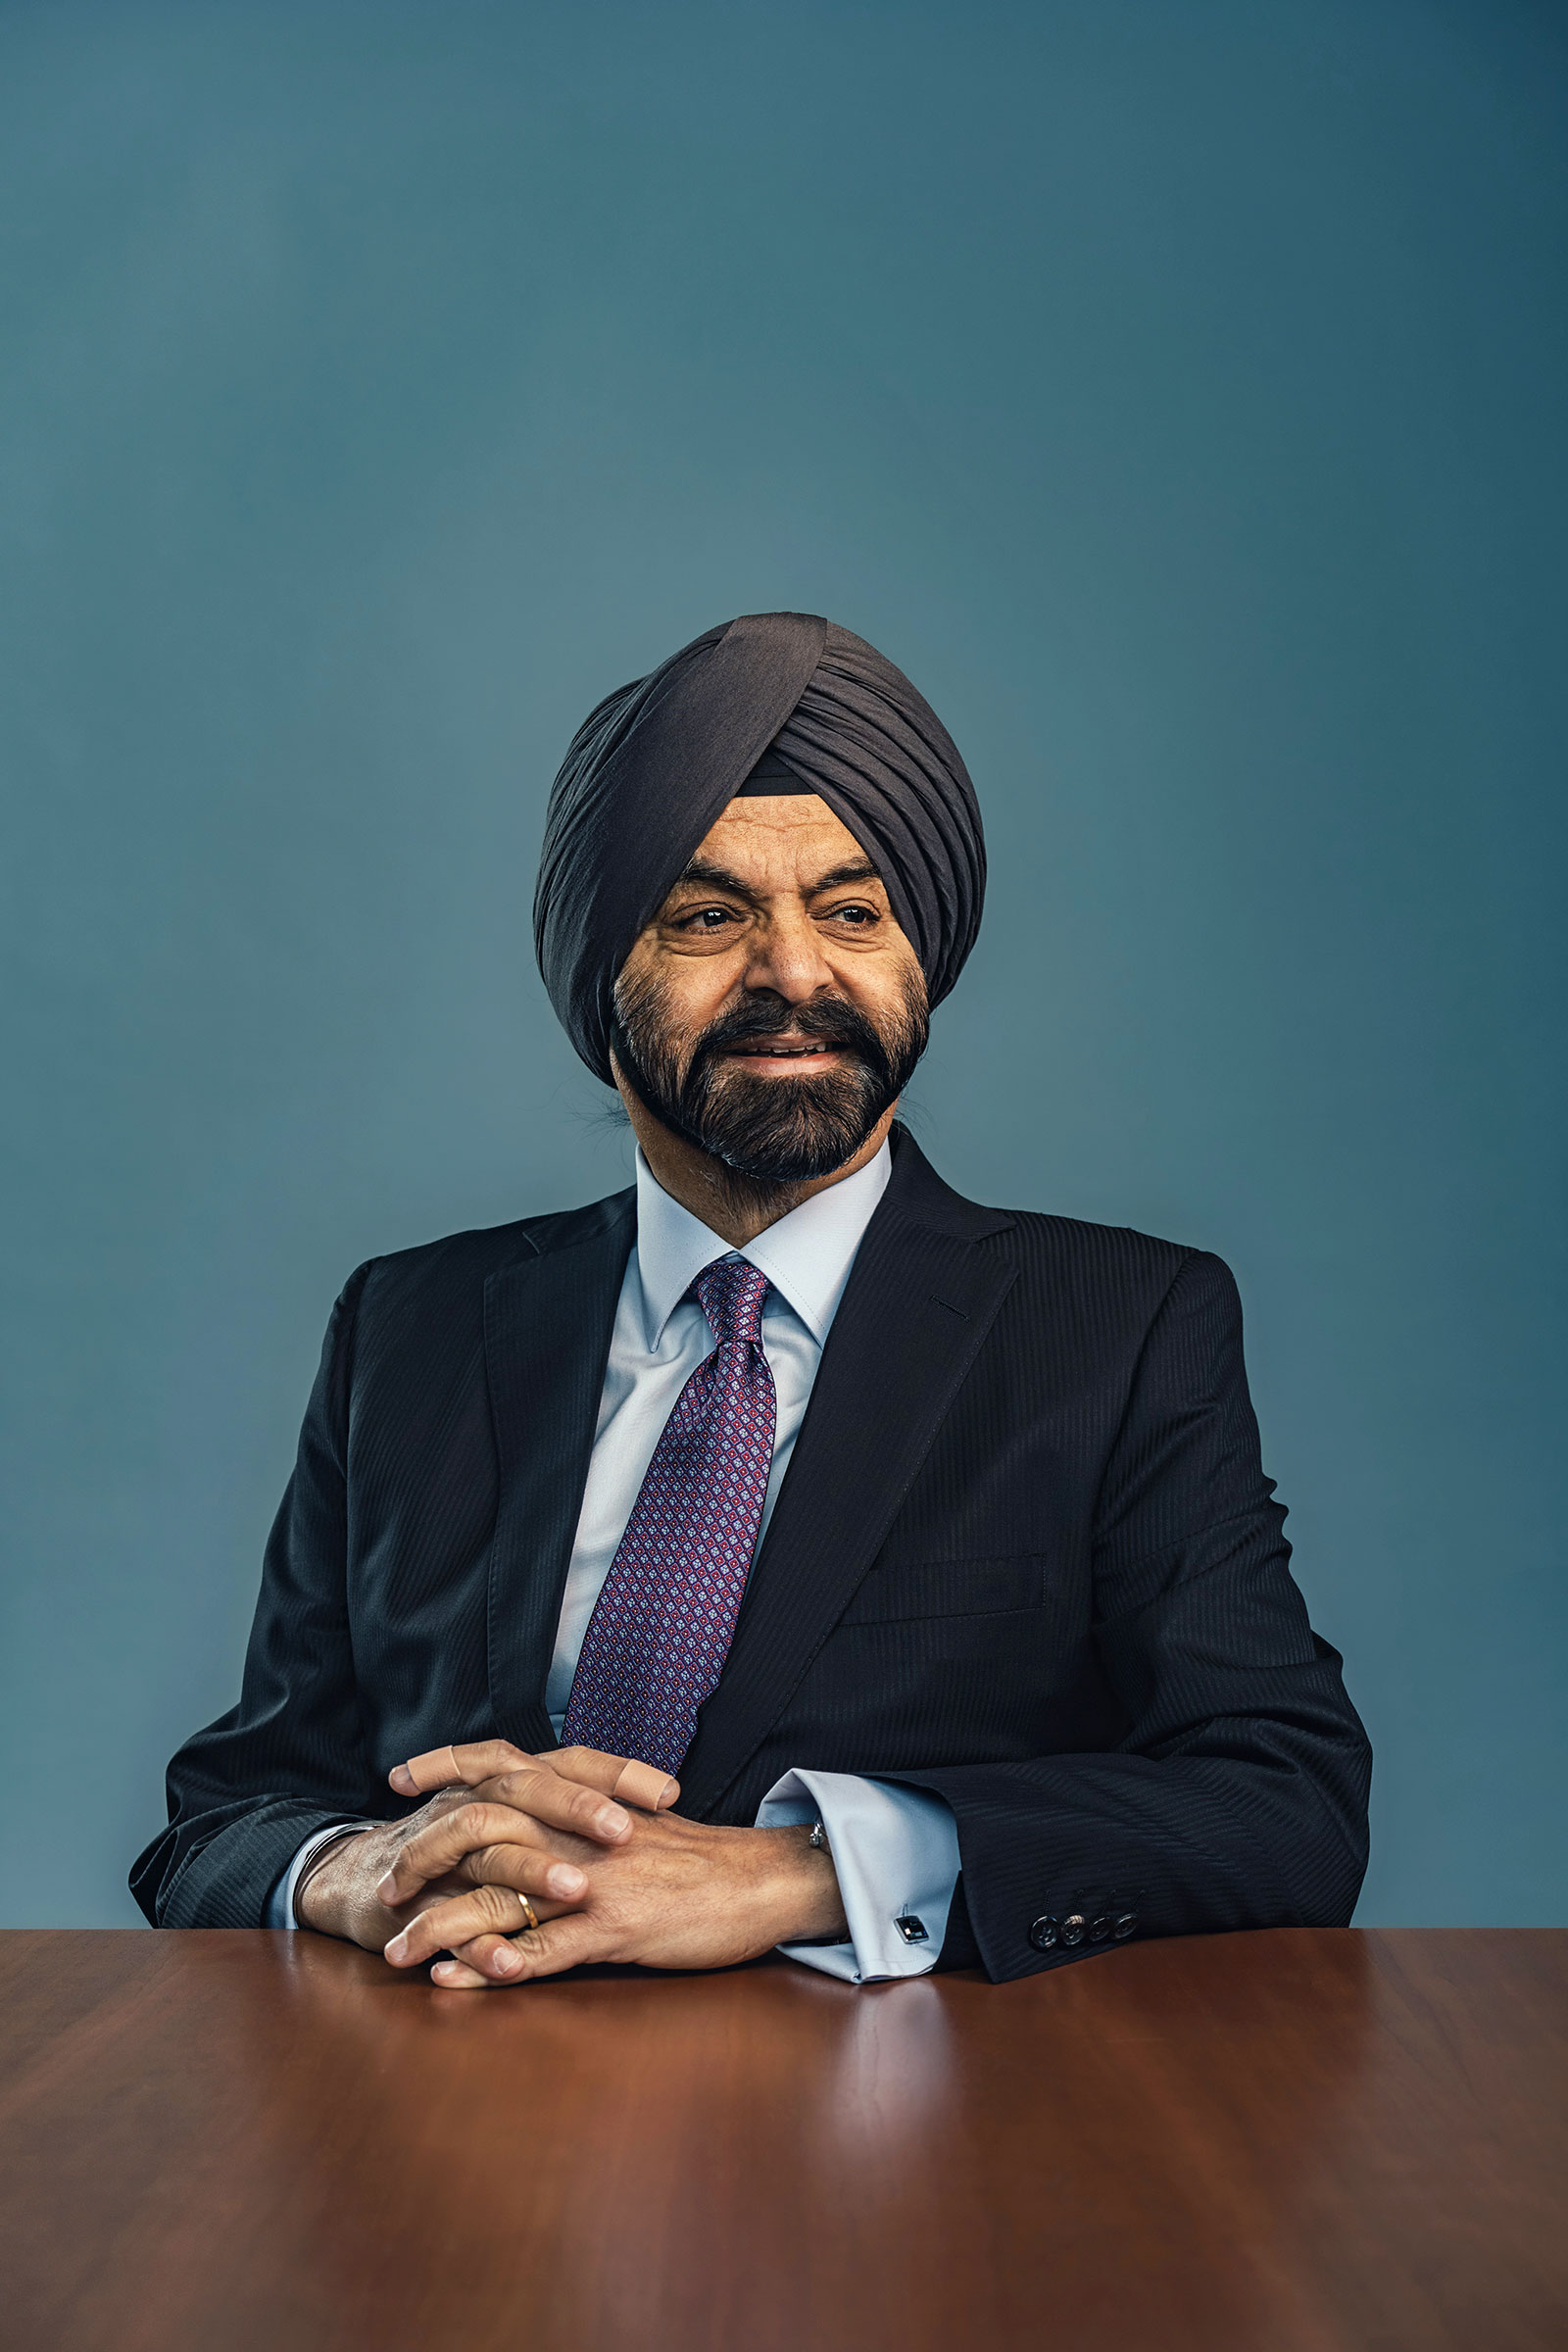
pixel 693 991
pixel 885 988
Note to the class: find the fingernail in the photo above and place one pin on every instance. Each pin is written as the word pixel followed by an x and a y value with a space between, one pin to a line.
pixel 666 1795
pixel 612 1821
pixel 398 1949
pixel 402 1781
pixel 563 1879
pixel 388 1891
pixel 506 1962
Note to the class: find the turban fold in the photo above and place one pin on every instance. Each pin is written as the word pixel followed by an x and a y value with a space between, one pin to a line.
pixel 657 762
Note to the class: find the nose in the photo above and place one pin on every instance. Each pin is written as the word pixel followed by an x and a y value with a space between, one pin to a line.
pixel 787 957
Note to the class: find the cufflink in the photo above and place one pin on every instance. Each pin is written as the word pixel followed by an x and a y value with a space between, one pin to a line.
pixel 913 1930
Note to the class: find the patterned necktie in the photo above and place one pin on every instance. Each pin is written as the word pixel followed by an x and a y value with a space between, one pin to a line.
pixel 660 1630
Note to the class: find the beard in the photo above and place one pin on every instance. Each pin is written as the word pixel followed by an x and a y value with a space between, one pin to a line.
pixel 769 1131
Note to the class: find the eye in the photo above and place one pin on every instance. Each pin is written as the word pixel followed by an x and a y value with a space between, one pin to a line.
pixel 707 919
pixel 858 918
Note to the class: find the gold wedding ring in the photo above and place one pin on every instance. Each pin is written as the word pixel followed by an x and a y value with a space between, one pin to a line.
pixel 530 1916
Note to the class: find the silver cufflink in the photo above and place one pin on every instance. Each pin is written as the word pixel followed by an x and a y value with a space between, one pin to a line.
pixel 913 1930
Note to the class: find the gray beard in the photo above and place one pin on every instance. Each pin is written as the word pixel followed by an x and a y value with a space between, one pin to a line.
pixel 772 1137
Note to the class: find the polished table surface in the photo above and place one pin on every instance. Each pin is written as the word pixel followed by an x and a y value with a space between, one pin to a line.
pixel 1280 2143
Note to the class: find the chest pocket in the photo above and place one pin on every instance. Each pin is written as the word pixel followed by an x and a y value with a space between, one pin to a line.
pixel 948 1588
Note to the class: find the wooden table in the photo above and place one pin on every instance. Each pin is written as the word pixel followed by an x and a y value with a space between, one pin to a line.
pixel 1277 2143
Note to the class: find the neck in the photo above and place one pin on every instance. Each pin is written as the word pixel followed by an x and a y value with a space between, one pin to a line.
pixel 736 1208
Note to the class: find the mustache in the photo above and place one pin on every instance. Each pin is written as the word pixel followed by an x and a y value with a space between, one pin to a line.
pixel 826 1022
pixel 768 1131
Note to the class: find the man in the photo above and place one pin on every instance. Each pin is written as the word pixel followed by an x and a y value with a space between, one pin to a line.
pixel 785 1551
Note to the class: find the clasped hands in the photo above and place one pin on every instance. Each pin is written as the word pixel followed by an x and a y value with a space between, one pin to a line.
pixel 607 1877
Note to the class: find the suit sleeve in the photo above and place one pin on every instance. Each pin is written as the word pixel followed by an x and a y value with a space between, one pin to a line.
pixel 1238 1796
pixel 289 1759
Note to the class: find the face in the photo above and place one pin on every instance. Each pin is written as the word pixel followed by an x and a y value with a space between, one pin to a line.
pixel 773 1010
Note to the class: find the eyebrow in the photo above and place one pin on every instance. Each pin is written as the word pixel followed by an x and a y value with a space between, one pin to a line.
pixel 719 877
pixel 853 869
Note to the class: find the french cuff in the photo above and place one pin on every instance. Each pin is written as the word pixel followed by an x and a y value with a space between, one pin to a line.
pixel 895 1852
pixel 281 1902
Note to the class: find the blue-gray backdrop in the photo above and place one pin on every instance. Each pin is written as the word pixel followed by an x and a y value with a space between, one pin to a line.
pixel 1177 393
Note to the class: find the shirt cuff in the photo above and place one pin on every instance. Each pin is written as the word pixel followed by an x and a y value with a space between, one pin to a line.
pixel 895 1852
pixel 281 1902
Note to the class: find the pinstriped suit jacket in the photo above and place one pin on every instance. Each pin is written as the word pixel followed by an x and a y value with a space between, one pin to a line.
pixel 1025 1555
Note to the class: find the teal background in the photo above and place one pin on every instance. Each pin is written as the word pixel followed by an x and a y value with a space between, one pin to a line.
pixel 1176 393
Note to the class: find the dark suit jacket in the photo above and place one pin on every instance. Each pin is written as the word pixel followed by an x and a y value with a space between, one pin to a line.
pixel 1025 1555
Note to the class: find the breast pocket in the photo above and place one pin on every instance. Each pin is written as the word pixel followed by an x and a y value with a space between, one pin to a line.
pixel 904 1589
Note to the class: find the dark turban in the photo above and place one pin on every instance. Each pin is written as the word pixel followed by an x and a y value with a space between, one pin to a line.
pixel 652 768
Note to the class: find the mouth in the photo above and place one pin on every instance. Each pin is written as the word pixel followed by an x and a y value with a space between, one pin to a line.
pixel 776 1054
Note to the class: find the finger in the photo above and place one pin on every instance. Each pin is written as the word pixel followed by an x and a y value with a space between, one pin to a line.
pixel 647 1786
pixel 442 1767
pixel 492 1956
pixel 527 1870
pixel 454 1976
pixel 533 1786
pixel 511 1865
pixel 444 1842
pixel 565 1942
pixel 482 1911
pixel 557 1943
pixel 548 1796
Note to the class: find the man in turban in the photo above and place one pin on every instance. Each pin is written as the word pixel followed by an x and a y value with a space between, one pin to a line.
pixel 785 1551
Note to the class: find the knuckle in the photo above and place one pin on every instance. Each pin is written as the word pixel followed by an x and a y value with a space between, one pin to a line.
pixel 476 1823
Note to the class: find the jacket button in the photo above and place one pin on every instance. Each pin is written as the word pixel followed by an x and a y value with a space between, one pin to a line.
pixel 1098 1930
pixel 1043 1934
pixel 1127 1922
pixel 1072 1927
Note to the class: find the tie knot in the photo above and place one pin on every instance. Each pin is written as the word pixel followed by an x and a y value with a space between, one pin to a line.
pixel 730 1292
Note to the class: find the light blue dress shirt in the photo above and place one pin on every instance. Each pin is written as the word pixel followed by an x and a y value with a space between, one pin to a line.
pixel 896 1849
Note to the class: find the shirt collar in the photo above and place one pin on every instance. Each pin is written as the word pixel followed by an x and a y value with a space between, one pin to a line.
pixel 807 1255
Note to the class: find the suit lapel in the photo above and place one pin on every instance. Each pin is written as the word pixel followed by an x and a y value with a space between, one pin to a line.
pixel 546 1330
pixel 917 1306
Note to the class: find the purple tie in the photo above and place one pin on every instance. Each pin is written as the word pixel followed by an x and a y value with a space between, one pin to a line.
pixel 660 1630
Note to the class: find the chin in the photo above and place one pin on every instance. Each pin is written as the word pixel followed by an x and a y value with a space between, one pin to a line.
pixel 797 1140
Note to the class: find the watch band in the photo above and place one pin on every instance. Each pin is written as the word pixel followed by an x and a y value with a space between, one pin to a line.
pixel 330 1846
